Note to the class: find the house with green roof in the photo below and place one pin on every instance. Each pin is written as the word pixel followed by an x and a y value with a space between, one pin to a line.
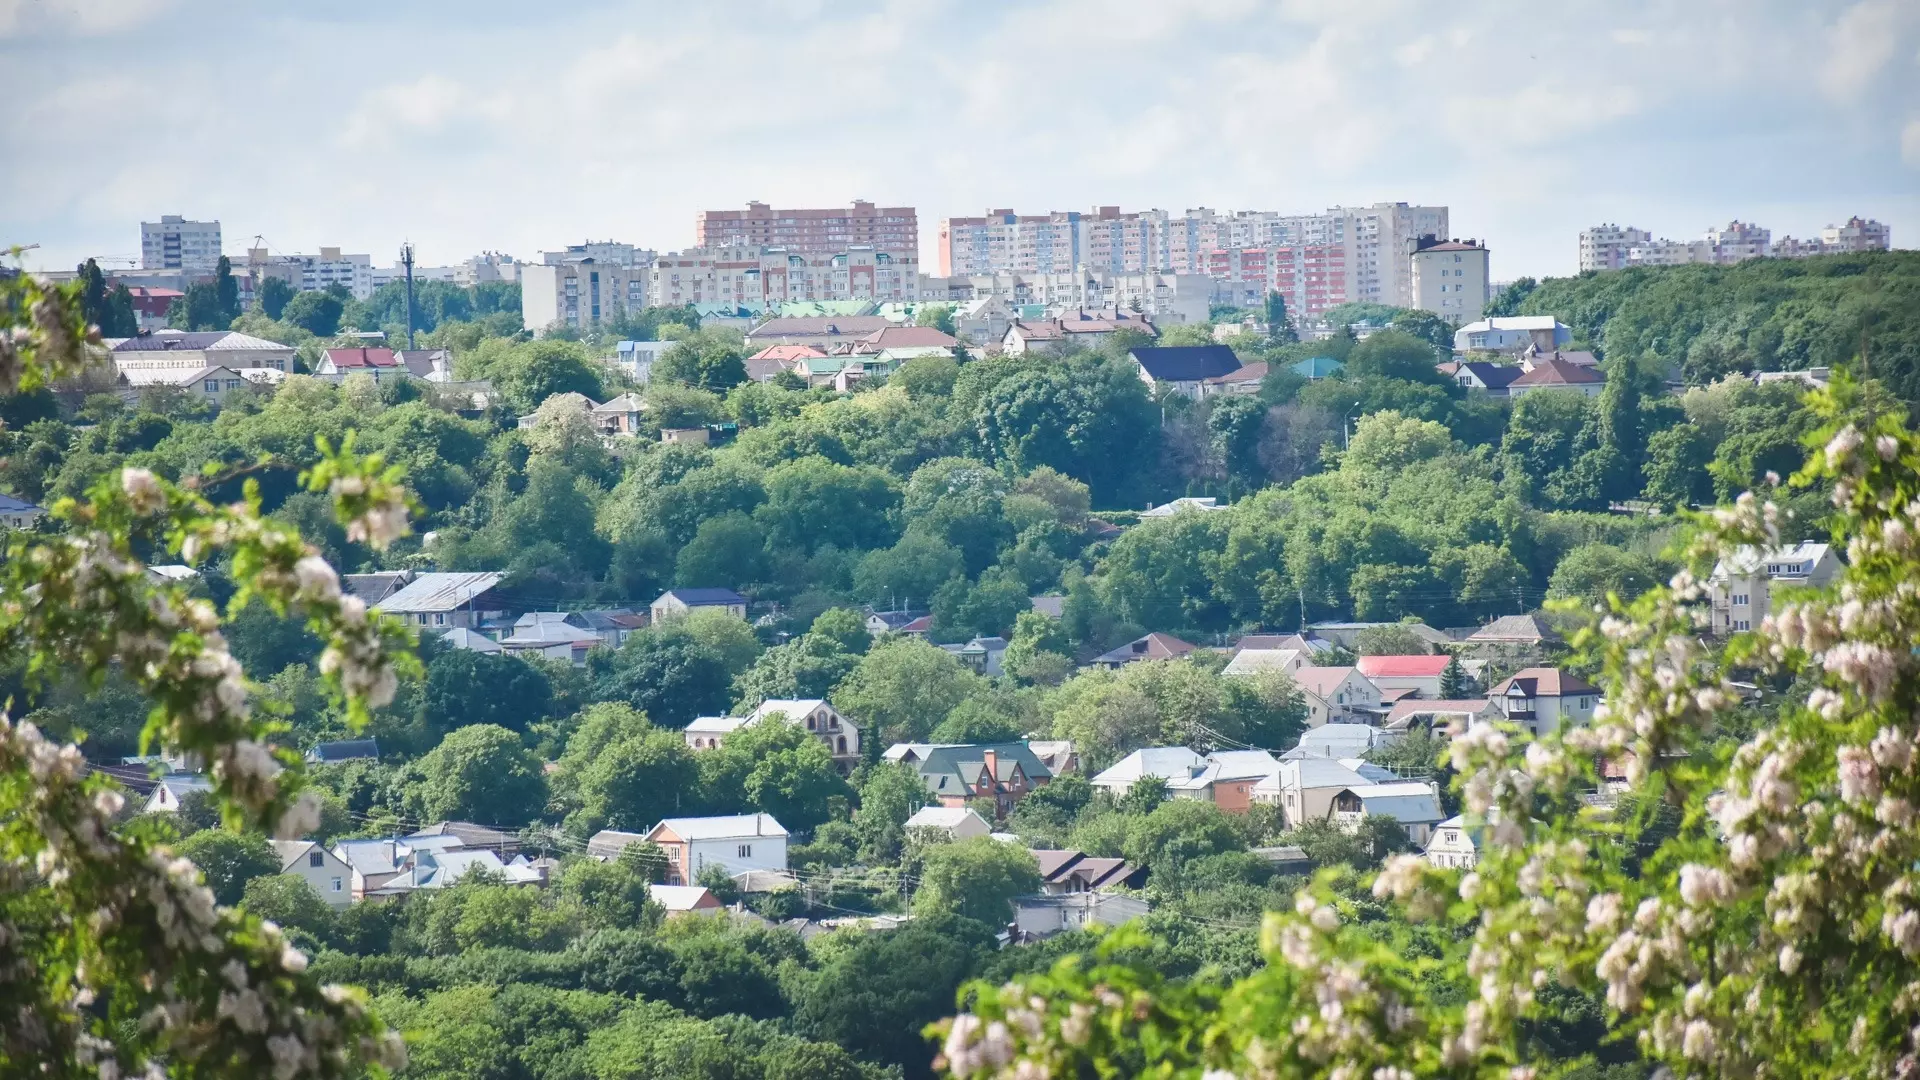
pixel 1318 367
pixel 956 774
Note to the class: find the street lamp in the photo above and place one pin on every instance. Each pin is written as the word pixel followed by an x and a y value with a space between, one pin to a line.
pixel 1346 427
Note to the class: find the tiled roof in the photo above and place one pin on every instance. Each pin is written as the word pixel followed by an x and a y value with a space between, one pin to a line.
pixel 1321 681
pixel 1152 647
pixel 1555 371
pixel 1522 628
pixel 900 337
pixel 1248 374
pixel 363 357
pixel 1544 682
pixel 787 353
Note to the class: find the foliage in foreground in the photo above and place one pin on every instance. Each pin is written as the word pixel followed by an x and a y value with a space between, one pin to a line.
pixel 1773 933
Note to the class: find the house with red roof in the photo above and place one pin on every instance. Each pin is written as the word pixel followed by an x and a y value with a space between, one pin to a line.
pixel 1420 674
pixel 1558 373
pixel 1154 646
pixel 337 364
pixel 1543 699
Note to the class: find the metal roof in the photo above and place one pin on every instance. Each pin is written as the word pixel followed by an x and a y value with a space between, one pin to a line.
pixel 439 592
pixel 722 828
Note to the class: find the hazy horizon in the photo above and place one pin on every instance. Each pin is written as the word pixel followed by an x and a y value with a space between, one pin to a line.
pixel 493 126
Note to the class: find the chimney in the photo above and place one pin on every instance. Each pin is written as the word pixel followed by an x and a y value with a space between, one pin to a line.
pixel 992 760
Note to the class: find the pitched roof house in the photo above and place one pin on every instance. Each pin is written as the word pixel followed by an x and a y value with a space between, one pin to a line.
pixel 1226 778
pixel 953 822
pixel 1526 630
pixel 445 599
pixel 1544 699
pixel 1155 646
pixel 956 773
pixel 736 843
pixel 681 601
pixel 1183 369
pixel 1420 673
pixel 1068 871
pixel 1335 693
pixel 1413 803
pixel 1556 373
pixel 337 364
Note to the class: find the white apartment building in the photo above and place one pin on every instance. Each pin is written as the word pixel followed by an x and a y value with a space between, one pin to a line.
pixel 174 243
pixel 1164 297
pixel 484 267
pixel 1856 235
pixel 600 251
pixel 1741 586
pixel 1605 247
pixel 579 294
pixel 1737 241
pixel 1450 279
pixel 742 275
pixel 1315 260
pixel 385 275
pixel 310 273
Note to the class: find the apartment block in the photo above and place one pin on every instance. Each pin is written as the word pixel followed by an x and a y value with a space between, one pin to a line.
pixel 1605 247
pixel 484 267
pixel 174 243
pixel 1316 260
pixel 892 230
pixel 1613 247
pixel 599 251
pixel 742 275
pixel 580 294
pixel 1450 278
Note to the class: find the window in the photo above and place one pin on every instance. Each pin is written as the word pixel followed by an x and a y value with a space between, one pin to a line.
pixel 213 386
pixel 439 618
pixel 1741 599
pixel 336 884
pixel 316 858
pixel 746 851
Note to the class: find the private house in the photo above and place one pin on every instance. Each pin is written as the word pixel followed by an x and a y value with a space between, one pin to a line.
pixel 1056 754
pixel 1300 643
pixel 1528 632
pixel 1154 646
pixel 327 753
pixel 736 844
pixel 443 867
pixel 1226 778
pixel 982 654
pixel 440 600
pixel 949 822
pixel 1556 373
pixel 821 720
pixel 683 900
pixel 171 357
pixel 327 873
pixel 1414 804
pixel 1073 328
pixel 1438 715
pixel 983 320
pixel 1044 915
pixel 17 513
pixel 891 622
pixel 771 361
pixel 550 635
pixel 1247 380
pixel 680 601
pixel 1543 699
pixel 957 773
pixel 1420 674
pixel 1336 694
pixel 708 732
pixel 1337 741
pixel 1315 368
pixel 624 416
pixel 1512 334
pixel 213 383
pixel 1453 845
pixel 1304 789
pixel 462 638
pixel 1181 506
pixel 905 342
pixel 431 365
pixel 336 364
pixel 821 331
pixel 1533 356
pixel 1183 369
pixel 1740 589
pixel 614 625
pixel 466 834
pixel 607 844
pixel 375 587
pixel 1488 378
pixel 1063 872
pixel 169 790
pixel 1248 662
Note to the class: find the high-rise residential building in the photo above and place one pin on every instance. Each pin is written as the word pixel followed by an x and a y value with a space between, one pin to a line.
pixel 174 243
pixel 579 294
pixel 1611 247
pixel 1605 247
pixel 600 251
pixel 1450 278
pixel 484 267
pixel 1316 260
pixel 353 273
pixel 892 230
pixel 745 276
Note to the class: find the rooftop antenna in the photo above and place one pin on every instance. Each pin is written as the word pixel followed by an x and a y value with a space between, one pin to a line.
pixel 406 260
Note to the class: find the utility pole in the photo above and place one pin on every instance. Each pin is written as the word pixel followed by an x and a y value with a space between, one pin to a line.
pixel 406 260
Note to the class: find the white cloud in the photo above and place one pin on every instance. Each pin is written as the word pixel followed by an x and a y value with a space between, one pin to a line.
pixel 1910 143
pixel 1860 43
pixel 85 17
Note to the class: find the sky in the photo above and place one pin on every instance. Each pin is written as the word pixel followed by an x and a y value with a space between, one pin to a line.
pixel 521 127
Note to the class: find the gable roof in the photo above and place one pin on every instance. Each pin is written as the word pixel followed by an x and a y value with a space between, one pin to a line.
pixel 376 586
pixel 1155 646
pixel 1402 667
pixel 363 357
pixel 1254 661
pixel 439 592
pixel 13 505
pixel 609 843
pixel 1402 711
pixel 1185 363
pixel 199 341
pixel 820 326
pixel 791 708
pixel 1557 371
pixel 786 353
pixel 1317 367
pixel 682 897
pixel 1521 628
pixel 1335 741
pixel 703 597
pixel 715 725
pixel 1252 373
pixel 943 817
pixel 1316 772
pixel 905 337
pixel 721 828
pixel 460 637
pixel 1544 682
pixel 625 403
pixel 1490 375
pixel 953 768
pixel 1408 802
pixel 1161 761
pixel 1321 681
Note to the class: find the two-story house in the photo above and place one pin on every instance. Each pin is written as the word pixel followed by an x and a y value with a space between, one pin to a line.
pixel 736 843
pixel 821 720
pixel 1420 674
pixel 956 774
pixel 1742 585
pixel 326 872
pixel 441 600
pixel 1543 699
pixel 1336 694
pixel 1415 804
pixel 1226 778
pixel 1454 845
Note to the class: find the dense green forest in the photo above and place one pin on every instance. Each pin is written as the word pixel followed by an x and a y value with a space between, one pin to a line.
pixel 960 488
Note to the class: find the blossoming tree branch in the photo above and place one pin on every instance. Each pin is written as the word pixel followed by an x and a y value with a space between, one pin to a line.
pixel 114 958
pixel 1750 909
